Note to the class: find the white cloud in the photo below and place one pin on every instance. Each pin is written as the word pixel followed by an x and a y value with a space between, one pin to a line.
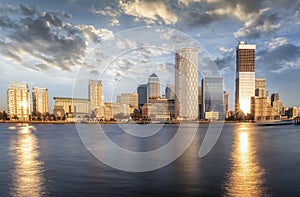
pixel 277 42
pixel 111 14
pixel 150 11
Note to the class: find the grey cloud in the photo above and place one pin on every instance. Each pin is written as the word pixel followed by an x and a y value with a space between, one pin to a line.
pixel 278 59
pixel 46 38
pixel 200 18
pixel 226 62
pixel 263 23
pixel 26 10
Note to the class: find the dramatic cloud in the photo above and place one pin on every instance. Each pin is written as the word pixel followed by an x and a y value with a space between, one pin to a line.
pixel 262 23
pixel 45 39
pixel 149 11
pixel 279 56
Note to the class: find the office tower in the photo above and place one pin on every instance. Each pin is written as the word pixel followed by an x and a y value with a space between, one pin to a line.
pixel 96 95
pixel 276 103
pixel 261 88
pixel 153 86
pixel 170 91
pixel 40 100
pixel 213 97
pixel 142 95
pixel 18 101
pixel 186 84
pixel 245 77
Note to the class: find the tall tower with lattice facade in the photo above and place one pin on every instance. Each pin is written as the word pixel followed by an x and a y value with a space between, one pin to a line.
pixel 186 84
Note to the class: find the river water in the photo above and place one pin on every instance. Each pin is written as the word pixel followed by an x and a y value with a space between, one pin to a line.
pixel 247 160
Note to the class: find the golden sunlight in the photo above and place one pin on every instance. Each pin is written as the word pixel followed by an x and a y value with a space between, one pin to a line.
pixel 245 106
pixel 28 169
pixel 246 177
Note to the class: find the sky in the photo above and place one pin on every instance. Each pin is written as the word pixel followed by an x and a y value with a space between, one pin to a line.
pixel 60 44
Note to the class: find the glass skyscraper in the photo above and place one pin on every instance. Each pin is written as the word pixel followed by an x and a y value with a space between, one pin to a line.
pixel 186 84
pixel 245 77
pixel 213 95
pixel 142 95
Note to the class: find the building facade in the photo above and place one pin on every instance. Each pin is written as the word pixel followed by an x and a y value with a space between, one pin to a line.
pixel 261 109
pixel 18 101
pixel 213 97
pixel 170 91
pixel 72 107
pixel 96 95
pixel 261 88
pixel 40 100
pixel 142 91
pixel 186 84
pixel 276 103
pixel 245 78
pixel 153 86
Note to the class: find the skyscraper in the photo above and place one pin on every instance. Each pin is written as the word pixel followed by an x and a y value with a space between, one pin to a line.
pixel 40 100
pixel 245 77
pixel 170 91
pixel 18 101
pixel 96 95
pixel 186 84
pixel 142 95
pixel 213 96
pixel 153 86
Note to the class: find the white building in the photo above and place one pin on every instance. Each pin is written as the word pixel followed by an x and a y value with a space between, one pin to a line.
pixel 96 95
pixel 186 84
pixel 18 101
pixel 40 100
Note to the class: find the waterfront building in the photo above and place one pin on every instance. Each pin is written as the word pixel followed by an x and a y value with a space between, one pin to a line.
pixel 157 109
pixel 186 84
pixel 213 97
pixel 96 95
pixel 245 78
pixel 142 91
pixel 18 101
pixel 170 91
pixel 128 101
pixel 40 100
pixel 276 103
pixel 261 88
pixel 72 107
pixel 261 108
pixel 153 86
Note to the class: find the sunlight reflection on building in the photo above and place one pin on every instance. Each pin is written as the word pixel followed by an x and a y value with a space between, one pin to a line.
pixel 27 175
pixel 246 176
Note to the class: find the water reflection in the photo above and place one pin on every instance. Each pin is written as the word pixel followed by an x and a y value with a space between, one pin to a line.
pixel 27 175
pixel 246 176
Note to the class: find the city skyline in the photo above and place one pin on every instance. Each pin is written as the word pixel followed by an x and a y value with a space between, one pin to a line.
pixel 35 54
